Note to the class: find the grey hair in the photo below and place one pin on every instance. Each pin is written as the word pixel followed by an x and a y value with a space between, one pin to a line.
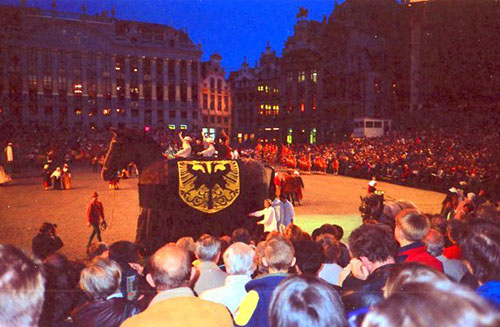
pixel 207 248
pixel 239 259
pixel 101 278
pixel 434 242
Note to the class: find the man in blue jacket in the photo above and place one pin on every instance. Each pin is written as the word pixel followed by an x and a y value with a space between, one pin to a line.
pixel 279 256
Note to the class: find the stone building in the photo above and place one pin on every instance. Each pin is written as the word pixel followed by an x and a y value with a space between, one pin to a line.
pixel 93 71
pixel 216 98
pixel 242 84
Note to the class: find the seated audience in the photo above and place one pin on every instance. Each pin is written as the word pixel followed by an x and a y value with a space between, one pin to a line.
pixel 330 271
pixel 453 268
pixel 481 252
pixel 239 260
pixel 438 303
pixel 373 249
pixel 21 288
pixel 175 304
pixel 455 231
pixel 46 241
pixel 411 228
pixel 278 257
pixel 306 301
pixel 100 280
pixel 208 251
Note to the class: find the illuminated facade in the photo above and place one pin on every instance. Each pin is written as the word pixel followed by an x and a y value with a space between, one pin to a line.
pixel 216 97
pixel 93 71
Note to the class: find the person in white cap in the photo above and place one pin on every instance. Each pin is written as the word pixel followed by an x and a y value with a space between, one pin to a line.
pixel 372 186
pixel 9 158
pixel 186 147
pixel 210 150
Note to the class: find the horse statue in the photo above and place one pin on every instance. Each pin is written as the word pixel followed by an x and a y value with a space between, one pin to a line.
pixel 375 207
pixel 186 197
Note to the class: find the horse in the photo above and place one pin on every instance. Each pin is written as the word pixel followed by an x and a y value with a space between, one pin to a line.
pixel 174 193
pixel 292 185
pixel 374 207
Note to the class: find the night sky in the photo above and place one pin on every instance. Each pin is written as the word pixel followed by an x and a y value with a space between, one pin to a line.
pixel 233 28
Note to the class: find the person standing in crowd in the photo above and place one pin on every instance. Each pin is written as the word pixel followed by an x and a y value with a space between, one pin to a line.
pixel 57 179
pixel 287 213
pixel 95 217
pixel 22 286
pixel 93 163
pixel 46 241
pixel 9 158
pixel 66 177
pixel 4 177
pixel 372 186
pixel 47 182
pixel 208 251
pixel 269 221
pixel 175 304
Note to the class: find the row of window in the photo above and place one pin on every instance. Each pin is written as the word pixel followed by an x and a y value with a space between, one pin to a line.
pixel 301 76
pixel 213 102
pixel 212 119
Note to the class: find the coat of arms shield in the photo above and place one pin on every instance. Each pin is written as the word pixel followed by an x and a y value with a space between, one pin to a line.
pixel 209 185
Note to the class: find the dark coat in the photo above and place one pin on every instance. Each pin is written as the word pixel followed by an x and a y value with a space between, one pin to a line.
pixel 109 313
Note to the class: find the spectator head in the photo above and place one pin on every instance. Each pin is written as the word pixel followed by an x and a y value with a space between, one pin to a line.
pixel 101 278
pixel 373 244
pixel 309 257
pixel 241 235
pixel 306 301
pixel 268 203
pixel 441 303
pixel 481 250
pixel 434 241
pixel 295 233
pixel 410 272
pixel 186 243
pixel 239 259
pixel 330 246
pixel 411 226
pixel 208 248
pixel 97 249
pixel 22 287
pixel 124 252
pixel 279 254
pixel 170 267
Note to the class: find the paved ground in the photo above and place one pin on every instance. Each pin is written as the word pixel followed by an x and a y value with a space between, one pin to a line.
pixel 24 205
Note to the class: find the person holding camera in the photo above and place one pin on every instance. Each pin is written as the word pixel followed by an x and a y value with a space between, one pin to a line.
pixel 46 241
pixel 95 218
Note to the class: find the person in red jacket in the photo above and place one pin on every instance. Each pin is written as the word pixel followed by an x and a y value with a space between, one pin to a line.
pixel 411 228
pixel 95 213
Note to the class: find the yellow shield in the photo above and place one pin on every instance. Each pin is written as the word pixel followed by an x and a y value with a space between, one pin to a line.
pixel 209 186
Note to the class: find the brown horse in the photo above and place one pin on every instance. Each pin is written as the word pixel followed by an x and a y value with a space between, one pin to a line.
pixel 184 197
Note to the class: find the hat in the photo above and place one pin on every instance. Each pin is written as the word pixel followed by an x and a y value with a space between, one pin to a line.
pixel 452 190
pixel 296 172
pixel 209 140
pixel 46 166
pixel 471 196
pixel 94 195
pixel 462 183
pixel 372 183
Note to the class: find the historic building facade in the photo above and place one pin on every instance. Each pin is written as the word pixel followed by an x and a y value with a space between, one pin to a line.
pixel 216 97
pixel 93 71
pixel 242 84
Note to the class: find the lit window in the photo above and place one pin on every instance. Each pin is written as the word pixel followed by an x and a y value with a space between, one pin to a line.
pixel 314 76
pixel 78 111
pixel 172 127
pixel 106 112
pixel 78 89
pixel 184 127
pixel 302 76
pixel 302 107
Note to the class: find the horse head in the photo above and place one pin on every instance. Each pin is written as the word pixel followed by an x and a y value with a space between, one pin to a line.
pixel 129 146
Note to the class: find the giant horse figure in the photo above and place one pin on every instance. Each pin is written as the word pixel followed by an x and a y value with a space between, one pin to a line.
pixel 187 197
pixel 375 207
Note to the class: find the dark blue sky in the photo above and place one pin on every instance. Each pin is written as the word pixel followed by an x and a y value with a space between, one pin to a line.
pixel 233 28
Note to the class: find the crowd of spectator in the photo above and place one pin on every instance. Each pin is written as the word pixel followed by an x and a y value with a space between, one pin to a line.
pixel 419 270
